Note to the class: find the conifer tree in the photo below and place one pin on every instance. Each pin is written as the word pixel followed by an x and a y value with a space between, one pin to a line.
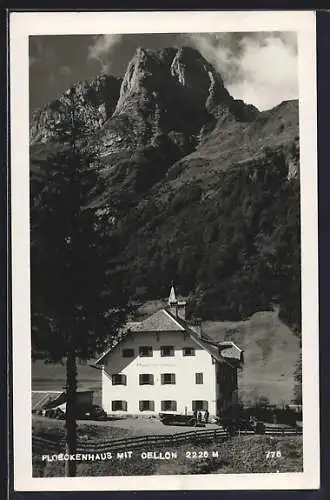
pixel 77 299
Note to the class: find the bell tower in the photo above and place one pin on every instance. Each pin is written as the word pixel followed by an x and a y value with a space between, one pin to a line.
pixel 176 307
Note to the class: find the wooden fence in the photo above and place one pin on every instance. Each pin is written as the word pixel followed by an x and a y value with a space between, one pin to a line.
pixel 40 444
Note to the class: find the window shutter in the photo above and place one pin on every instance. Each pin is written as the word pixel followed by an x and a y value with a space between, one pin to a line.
pixel 118 405
pixel 152 405
pixel 162 378
pixel 119 379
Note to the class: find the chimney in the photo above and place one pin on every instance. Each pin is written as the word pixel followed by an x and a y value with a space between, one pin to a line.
pixel 196 325
pixel 181 309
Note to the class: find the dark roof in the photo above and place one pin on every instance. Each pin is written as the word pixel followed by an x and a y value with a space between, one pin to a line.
pixel 164 321
pixel 224 352
pixel 161 321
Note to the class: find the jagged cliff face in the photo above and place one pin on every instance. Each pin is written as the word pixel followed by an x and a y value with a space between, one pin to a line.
pixel 171 95
pixel 166 96
pixel 96 101
pixel 170 114
pixel 170 120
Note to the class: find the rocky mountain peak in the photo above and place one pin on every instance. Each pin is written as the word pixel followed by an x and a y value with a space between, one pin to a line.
pixel 183 70
pixel 173 95
pixel 96 101
pixel 192 70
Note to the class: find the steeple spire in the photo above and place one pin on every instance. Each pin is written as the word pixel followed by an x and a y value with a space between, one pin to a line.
pixel 172 298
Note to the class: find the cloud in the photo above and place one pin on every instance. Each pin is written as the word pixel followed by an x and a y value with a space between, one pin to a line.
pixel 101 49
pixel 40 52
pixel 260 68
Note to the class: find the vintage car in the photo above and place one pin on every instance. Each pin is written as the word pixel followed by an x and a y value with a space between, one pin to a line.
pixel 177 419
pixel 90 412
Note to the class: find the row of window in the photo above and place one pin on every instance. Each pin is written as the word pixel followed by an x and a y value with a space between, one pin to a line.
pixel 167 405
pixel 146 351
pixel 148 379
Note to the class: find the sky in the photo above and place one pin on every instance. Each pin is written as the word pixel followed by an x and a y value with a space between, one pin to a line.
pixel 258 67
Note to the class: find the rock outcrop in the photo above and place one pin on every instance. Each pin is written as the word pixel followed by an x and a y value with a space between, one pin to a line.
pixel 96 101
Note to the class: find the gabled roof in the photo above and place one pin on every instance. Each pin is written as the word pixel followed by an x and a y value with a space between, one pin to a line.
pixel 211 349
pixel 230 350
pixel 161 321
pixel 164 321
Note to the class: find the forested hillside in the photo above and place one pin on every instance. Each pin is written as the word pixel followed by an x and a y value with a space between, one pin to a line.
pixel 192 185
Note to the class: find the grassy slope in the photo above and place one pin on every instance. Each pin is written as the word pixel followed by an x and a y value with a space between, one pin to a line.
pixel 270 349
pixel 236 142
pixel 270 354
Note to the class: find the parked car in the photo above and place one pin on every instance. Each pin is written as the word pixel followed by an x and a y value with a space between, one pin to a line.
pixel 177 419
pixel 91 412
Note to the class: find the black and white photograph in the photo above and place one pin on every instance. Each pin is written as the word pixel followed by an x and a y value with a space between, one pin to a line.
pixel 164 200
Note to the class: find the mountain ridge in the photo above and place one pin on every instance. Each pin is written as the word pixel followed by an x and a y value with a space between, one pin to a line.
pixel 170 139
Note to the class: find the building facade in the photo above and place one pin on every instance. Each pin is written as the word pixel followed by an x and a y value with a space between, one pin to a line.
pixel 165 364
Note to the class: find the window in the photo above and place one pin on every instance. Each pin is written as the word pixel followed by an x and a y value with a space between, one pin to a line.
pixel 200 405
pixel 188 351
pixel 147 405
pixel 118 379
pixel 199 378
pixel 218 378
pixel 119 405
pixel 146 379
pixel 168 405
pixel 128 353
pixel 166 350
pixel 145 351
pixel 167 378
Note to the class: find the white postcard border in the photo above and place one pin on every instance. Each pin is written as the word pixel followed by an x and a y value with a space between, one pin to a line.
pixel 23 24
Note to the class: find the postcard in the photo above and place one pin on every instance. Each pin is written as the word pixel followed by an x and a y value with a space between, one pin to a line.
pixel 164 250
